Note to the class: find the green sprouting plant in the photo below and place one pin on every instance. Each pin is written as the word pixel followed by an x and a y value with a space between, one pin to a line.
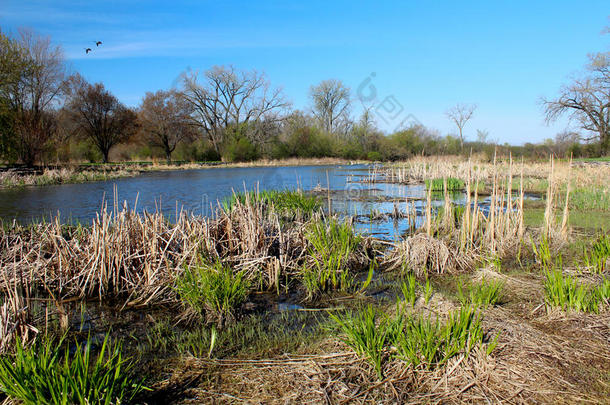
pixel 428 291
pixel 542 252
pixel 331 244
pixel 284 202
pixel 463 331
pixel 438 184
pixel 563 291
pixel 597 257
pixel 409 289
pixel 488 292
pixel 46 373
pixel 586 199
pixel 368 332
pixel 421 342
pixel 496 262
pixel 602 292
pixel 430 342
pixel 213 289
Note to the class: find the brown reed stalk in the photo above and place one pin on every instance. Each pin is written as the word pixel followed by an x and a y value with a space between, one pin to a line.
pixel 429 212
pixel 564 220
pixel 548 211
pixel 447 217
pixel 492 207
pixel 520 226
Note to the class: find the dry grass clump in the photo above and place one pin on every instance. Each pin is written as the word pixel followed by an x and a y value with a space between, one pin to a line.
pixel 15 322
pixel 426 254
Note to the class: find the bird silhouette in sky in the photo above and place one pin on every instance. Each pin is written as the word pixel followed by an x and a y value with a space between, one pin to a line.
pixel 87 50
pixel 98 43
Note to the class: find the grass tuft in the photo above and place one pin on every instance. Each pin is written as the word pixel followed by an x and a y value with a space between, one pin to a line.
pixel 597 258
pixel 368 332
pixel 44 373
pixel 563 291
pixel 331 244
pixel 213 289
pixel 287 203
pixel 487 293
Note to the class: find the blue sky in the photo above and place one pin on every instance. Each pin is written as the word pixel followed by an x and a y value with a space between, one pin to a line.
pixel 425 56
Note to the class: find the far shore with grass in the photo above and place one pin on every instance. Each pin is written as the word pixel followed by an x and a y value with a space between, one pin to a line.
pixel 11 177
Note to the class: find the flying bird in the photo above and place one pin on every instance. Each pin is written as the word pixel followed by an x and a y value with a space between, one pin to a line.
pixel 98 43
pixel 87 50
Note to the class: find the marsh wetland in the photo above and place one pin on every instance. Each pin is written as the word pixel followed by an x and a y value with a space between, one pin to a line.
pixel 428 280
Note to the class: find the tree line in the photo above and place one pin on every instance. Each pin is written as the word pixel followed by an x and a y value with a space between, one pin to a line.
pixel 48 115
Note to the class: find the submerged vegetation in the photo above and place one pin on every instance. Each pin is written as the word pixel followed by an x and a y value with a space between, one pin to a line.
pixel 273 297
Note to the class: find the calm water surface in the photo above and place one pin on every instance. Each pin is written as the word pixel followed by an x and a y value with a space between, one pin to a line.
pixel 196 191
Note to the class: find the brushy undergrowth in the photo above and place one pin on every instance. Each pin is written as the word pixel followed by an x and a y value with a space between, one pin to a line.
pixel 416 339
pixel 291 203
pixel 331 245
pixel 46 373
pixel 565 292
pixel 214 290
pixel 485 294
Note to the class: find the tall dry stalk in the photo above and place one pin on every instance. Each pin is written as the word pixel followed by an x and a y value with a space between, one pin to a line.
pixel 429 212
pixel 564 220
pixel 521 195
pixel 549 218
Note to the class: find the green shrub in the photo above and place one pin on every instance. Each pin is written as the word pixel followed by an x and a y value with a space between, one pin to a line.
pixel 237 147
pixel 213 289
pixel 46 373
pixel 374 156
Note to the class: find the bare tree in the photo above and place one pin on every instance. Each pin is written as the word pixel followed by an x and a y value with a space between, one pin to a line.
pixel 99 116
pixel 482 135
pixel 460 115
pixel 587 101
pixel 32 92
pixel 165 119
pixel 331 103
pixel 231 97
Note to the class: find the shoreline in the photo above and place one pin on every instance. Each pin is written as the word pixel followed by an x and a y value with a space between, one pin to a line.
pixel 11 178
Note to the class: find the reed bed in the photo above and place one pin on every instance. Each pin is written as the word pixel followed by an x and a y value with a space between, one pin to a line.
pixel 535 174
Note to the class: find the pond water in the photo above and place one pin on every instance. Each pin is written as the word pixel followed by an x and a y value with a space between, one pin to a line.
pixel 196 191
